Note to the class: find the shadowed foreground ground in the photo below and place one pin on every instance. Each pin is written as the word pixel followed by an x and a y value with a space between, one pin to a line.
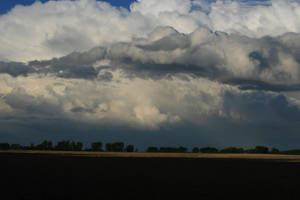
pixel 65 176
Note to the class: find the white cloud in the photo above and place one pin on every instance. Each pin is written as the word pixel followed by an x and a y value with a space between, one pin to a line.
pixel 56 28
pixel 257 20
pixel 157 7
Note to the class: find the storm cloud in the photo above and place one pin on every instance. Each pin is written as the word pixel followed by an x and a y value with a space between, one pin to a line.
pixel 220 73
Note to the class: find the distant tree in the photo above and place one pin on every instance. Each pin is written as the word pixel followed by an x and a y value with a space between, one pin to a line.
pixel 45 145
pixel 129 148
pixel 165 149
pixel 232 150
pixel 76 146
pixel 196 150
pixel 152 149
pixel 250 151
pixel 4 146
pixel 291 152
pixel 173 149
pixel 79 146
pixel 114 147
pixel 259 150
pixel 274 151
pixel 182 149
pixel 118 147
pixel 108 147
pixel 64 145
pixel 209 150
pixel 31 147
pixel 96 146
pixel 72 146
pixel 16 147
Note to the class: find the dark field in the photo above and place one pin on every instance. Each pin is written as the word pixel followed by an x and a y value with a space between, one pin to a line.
pixel 52 176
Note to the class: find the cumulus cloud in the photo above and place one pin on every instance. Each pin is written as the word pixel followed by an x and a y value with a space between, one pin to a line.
pixel 56 28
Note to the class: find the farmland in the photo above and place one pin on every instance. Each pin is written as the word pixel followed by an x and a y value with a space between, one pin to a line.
pixel 107 175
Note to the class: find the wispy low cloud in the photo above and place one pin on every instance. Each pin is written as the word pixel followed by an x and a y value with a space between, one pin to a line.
pixel 175 70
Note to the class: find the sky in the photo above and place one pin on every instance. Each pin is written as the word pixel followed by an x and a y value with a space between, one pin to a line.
pixel 151 72
pixel 8 5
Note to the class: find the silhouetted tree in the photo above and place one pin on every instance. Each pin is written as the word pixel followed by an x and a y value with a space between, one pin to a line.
pixel 166 149
pixel 31 147
pixel 152 149
pixel 75 146
pixel 45 145
pixel 182 149
pixel 274 151
pixel 129 148
pixel 16 147
pixel 173 149
pixel 259 149
pixel 209 150
pixel 108 147
pixel 64 145
pixel 4 146
pixel 196 150
pixel 118 147
pixel 114 147
pixel 232 150
pixel 96 146
pixel 291 152
pixel 79 146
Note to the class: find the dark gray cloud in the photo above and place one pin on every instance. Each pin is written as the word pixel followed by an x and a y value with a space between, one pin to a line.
pixel 74 65
pixel 245 84
pixel 19 100
pixel 258 107
pixel 80 109
pixel 15 68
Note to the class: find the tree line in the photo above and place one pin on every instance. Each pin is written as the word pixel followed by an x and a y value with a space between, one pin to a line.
pixel 256 150
pixel 67 145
